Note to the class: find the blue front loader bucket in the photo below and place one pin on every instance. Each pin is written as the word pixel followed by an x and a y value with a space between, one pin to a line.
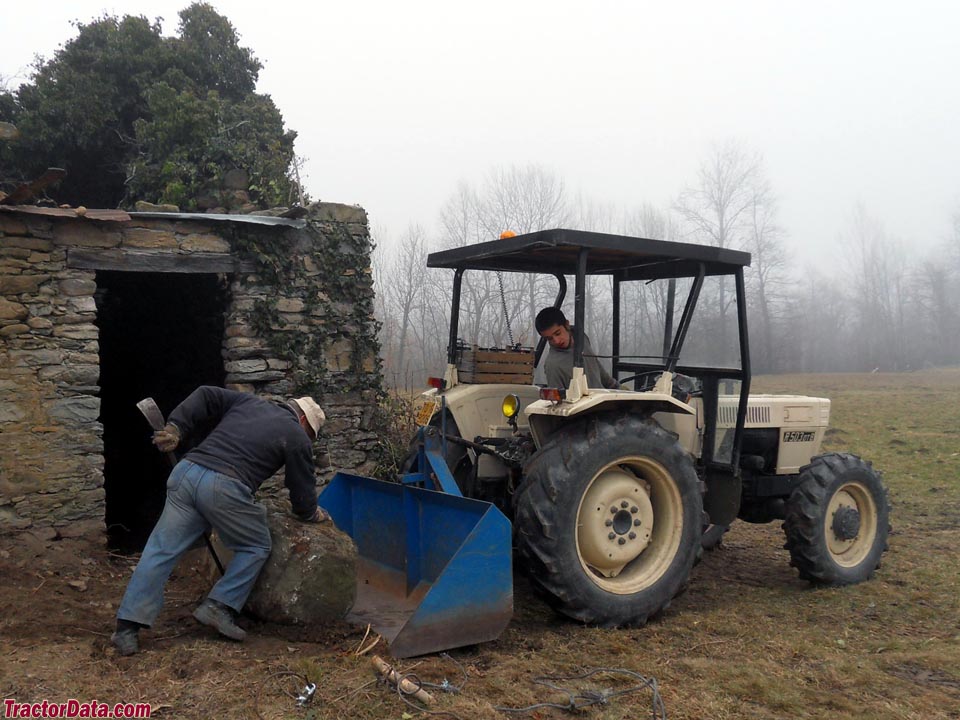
pixel 435 568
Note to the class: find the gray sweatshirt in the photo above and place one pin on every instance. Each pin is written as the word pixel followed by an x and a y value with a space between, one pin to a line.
pixel 558 367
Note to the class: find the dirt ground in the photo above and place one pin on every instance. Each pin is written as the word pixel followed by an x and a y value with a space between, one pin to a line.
pixel 747 640
pixel 60 593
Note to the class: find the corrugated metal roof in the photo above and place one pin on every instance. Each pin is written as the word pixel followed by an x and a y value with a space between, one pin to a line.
pixel 124 216
pixel 217 217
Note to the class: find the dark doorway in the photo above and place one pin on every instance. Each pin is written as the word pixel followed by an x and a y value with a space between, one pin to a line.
pixel 161 336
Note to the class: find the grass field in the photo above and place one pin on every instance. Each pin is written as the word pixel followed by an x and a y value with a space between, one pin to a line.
pixel 747 640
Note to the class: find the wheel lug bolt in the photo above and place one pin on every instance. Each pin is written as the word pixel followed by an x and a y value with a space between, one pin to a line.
pixel 611 536
pixel 613 510
pixel 624 504
pixel 632 536
pixel 634 509
pixel 621 541
pixel 636 523
pixel 608 523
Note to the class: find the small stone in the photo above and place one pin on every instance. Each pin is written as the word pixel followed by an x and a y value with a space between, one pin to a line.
pixel 77 286
pixel 18 284
pixel 11 330
pixel 144 206
pixel 79 585
pixel 85 234
pixel 290 305
pixel 12 310
pixel 205 243
pixel 245 366
pixel 149 239
pixel 337 212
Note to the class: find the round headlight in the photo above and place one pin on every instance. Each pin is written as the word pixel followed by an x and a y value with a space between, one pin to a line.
pixel 510 406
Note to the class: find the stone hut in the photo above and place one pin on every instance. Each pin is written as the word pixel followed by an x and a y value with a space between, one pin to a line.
pixel 102 308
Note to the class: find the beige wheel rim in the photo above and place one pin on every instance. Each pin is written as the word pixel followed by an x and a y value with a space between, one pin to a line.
pixel 629 525
pixel 847 550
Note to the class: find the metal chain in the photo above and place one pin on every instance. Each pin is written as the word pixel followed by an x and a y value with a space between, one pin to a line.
pixel 503 304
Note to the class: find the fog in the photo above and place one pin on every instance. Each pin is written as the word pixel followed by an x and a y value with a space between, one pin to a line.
pixel 850 104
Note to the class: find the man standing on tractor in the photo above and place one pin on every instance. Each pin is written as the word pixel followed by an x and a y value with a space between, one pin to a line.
pixel 213 486
pixel 552 324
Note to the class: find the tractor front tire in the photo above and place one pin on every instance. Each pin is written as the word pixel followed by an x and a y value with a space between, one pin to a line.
pixel 608 520
pixel 837 520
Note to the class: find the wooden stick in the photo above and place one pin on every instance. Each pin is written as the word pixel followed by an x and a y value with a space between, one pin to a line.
pixel 407 687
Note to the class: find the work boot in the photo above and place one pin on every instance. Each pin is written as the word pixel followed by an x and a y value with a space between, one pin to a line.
pixel 126 637
pixel 219 616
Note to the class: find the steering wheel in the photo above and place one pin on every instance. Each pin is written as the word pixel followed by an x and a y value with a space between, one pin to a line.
pixel 684 386
pixel 646 385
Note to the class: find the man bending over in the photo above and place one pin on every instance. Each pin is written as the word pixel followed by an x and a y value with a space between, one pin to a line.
pixel 213 487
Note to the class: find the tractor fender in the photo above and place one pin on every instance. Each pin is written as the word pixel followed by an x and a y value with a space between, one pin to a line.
pixel 546 417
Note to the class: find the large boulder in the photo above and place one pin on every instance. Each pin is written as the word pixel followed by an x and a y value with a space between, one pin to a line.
pixel 310 577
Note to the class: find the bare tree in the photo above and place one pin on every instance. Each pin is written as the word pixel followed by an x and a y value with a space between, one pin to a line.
pixel 380 259
pixel 460 221
pixel 404 292
pixel 937 298
pixel 643 306
pixel 500 310
pixel 878 276
pixel 819 318
pixel 716 207
pixel 523 200
pixel 716 210
pixel 298 177
pixel 767 274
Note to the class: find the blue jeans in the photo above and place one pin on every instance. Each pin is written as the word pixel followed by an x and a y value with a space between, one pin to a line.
pixel 198 499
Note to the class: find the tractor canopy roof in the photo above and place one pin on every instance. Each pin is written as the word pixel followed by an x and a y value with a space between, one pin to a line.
pixel 627 258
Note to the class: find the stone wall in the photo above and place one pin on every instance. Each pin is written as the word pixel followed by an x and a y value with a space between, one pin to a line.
pixel 51 464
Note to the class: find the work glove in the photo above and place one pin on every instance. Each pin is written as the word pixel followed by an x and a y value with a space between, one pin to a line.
pixel 167 439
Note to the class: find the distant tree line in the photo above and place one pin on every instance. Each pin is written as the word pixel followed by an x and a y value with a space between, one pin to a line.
pixel 132 115
pixel 881 308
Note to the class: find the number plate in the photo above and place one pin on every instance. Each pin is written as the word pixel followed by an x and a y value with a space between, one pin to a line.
pixel 426 411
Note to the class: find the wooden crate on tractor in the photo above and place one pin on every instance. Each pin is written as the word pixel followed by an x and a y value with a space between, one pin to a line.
pixel 493 365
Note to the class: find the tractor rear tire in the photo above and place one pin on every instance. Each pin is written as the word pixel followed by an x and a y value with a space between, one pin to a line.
pixel 608 520
pixel 837 520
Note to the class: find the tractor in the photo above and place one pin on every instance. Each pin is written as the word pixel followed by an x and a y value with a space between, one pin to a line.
pixel 614 493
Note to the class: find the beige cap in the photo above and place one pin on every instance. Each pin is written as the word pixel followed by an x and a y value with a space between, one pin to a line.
pixel 313 413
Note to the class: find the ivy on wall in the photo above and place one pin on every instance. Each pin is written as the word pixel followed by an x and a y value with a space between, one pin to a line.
pixel 327 272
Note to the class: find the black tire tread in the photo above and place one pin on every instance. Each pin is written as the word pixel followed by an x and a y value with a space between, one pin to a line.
pixel 804 520
pixel 537 516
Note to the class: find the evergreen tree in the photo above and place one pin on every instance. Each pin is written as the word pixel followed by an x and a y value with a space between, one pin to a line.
pixel 132 115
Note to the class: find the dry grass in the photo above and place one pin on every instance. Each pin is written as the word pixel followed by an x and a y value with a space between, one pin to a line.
pixel 747 640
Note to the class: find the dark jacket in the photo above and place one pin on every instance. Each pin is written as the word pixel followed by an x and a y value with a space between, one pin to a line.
pixel 252 439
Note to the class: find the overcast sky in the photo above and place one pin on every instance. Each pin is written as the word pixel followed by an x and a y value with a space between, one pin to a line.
pixel 395 102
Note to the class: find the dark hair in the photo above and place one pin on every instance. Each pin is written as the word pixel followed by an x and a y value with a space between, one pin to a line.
pixel 548 317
